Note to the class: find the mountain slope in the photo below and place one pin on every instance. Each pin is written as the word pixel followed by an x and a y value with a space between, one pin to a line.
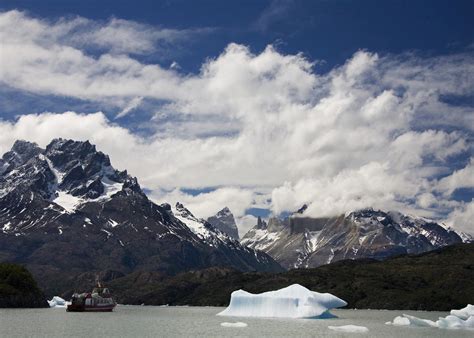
pixel 225 222
pixel 299 241
pixel 65 210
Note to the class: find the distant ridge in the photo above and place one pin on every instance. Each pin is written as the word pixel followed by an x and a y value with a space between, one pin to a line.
pixel 299 241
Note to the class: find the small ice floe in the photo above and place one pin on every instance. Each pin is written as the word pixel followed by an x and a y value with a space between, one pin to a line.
pixel 458 319
pixel 464 313
pixel 57 302
pixel 349 328
pixel 236 324
pixel 294 301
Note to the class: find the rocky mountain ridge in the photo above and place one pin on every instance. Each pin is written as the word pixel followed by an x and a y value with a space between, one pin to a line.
pixel 304 242
pixel 64 210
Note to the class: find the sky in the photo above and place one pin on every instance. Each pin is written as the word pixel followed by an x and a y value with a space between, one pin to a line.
pixel 261 106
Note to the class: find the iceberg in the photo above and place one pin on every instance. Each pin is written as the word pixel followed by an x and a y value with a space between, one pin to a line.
pixel 57 302
pixel 453 322
pixel 464 313
pixel 294 301
pixel 349 328
pixel 407 320
pixel 458 319
pixel 236 324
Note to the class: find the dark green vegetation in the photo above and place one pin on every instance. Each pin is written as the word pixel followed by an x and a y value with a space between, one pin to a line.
pixel 438 280
pixel 18 289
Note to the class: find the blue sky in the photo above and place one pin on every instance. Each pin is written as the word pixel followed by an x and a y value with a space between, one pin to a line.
pixel 324 30
pixel 355 104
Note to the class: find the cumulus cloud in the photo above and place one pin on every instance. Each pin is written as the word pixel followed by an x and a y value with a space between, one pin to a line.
pixel 462 178
pixel 462 217
pixel 380 131
pixel 52 58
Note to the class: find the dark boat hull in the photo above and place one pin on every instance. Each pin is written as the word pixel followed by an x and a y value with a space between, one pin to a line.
pixel 82 308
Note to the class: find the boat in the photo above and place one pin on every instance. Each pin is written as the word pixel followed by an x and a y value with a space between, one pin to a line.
pixel 99 300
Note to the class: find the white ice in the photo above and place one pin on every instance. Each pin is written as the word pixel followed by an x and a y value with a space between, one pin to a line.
pixel 349 328
pixel 294 301
pixel 67 201
pixel 458 319
pixel 464 313
pixel 236 324
pixel 57 302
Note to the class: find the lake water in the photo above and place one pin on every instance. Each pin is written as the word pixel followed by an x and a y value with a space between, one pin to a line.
pixel 155 321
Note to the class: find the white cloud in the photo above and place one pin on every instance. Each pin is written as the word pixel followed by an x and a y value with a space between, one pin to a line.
pixel 462 178
pixel 375 131
pixel 207 204
pixel 133 104
pixel 462 217
pixel 115 35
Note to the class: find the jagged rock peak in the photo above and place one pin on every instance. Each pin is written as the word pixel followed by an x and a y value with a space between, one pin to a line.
pixel 21 152
pixel 224 212
pixel 68 173
pixel 224 221
pixel 61 151
pixel 23 146
pixel 182 211
pixel 180 207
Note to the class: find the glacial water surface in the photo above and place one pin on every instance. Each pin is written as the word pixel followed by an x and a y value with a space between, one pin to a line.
pixel 155 321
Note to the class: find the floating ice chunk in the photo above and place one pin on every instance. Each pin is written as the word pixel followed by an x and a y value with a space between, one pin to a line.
pixel 453 322
pixel 57 302
pixel 458 319
pixel 407 320
pixel 399 321
pixel 464 313
pixel 294 301
pixel 415 321
pixel 349 328
pixel 236 324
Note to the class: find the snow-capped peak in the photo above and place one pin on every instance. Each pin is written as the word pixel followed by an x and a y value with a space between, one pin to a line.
pixel 68 173
pixel 196 225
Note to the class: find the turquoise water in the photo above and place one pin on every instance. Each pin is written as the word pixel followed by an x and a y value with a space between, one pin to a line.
pixel 155 321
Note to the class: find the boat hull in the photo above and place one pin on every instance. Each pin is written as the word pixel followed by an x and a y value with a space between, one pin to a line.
pixel 81 308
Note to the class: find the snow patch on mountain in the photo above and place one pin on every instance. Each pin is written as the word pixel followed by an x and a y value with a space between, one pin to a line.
pixel 194 224
pixel 67 201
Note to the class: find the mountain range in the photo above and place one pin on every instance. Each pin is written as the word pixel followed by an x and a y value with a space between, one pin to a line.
pixel 65 211
pixel 299 241
pixel 68 214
